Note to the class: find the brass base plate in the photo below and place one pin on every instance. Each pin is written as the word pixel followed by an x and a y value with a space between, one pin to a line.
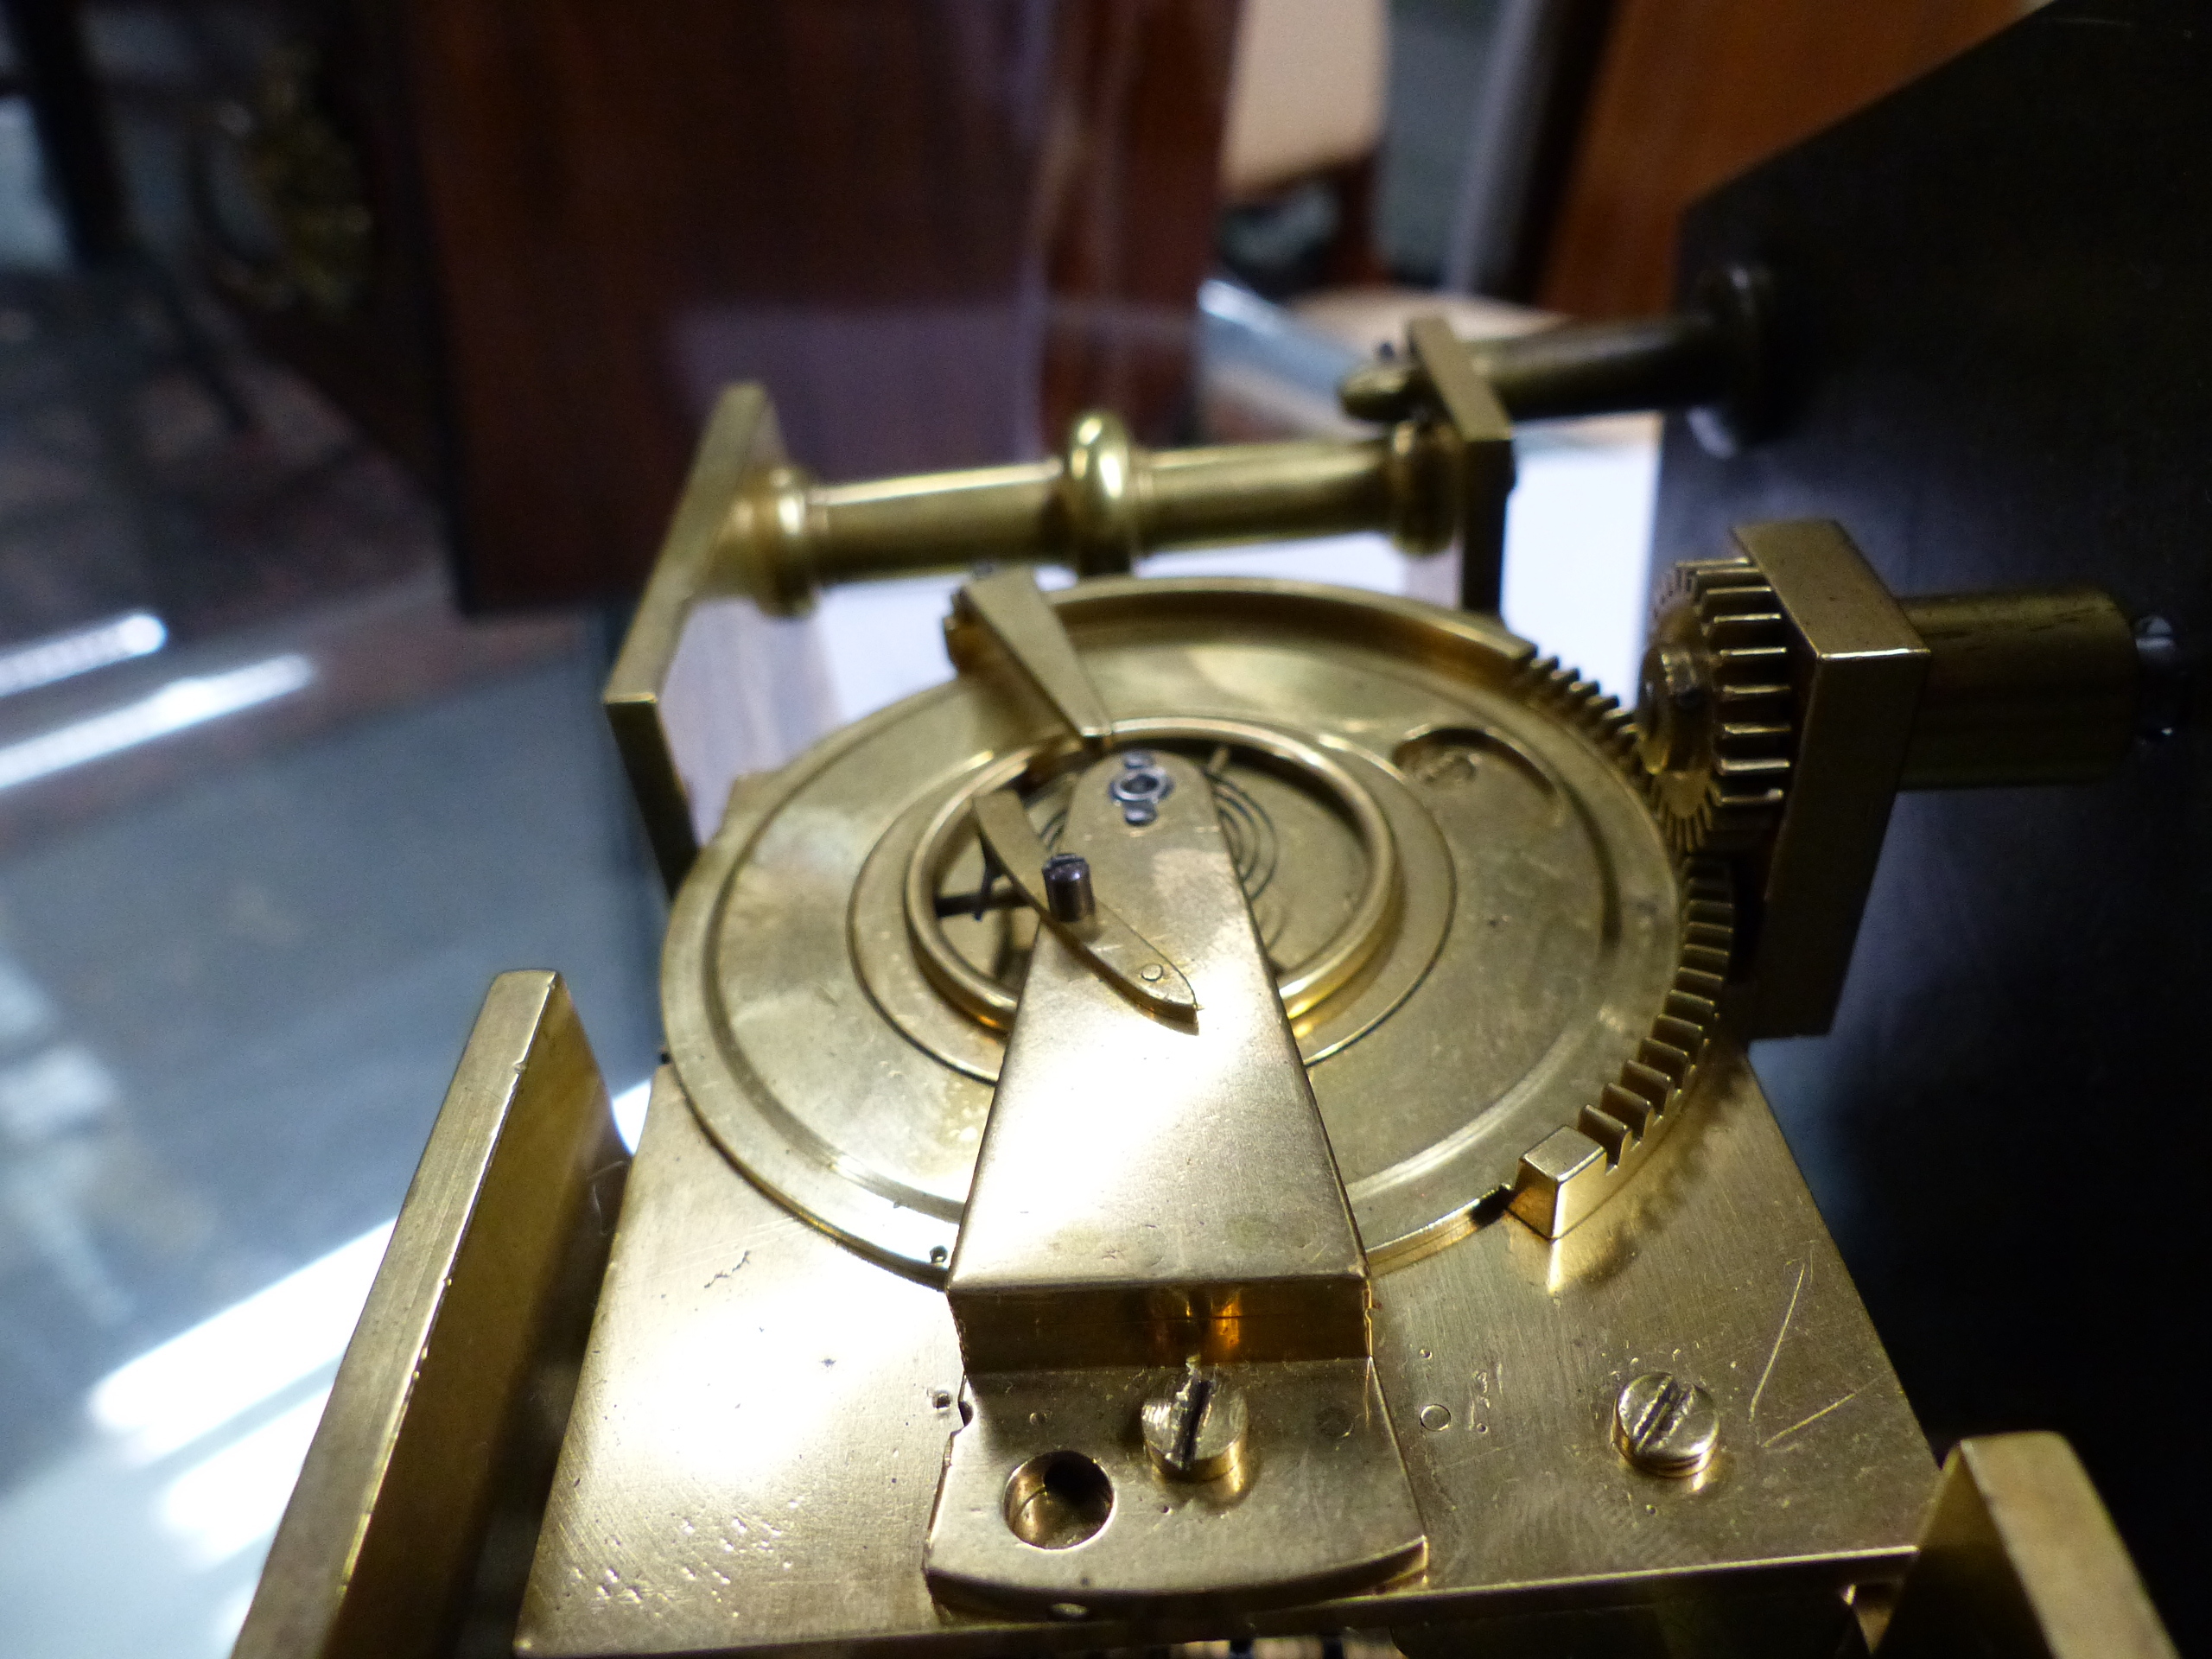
pixel 763 1417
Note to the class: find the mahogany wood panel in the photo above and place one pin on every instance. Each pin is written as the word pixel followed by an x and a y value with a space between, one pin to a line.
pixel 878 209
pixel 1692 93
pixel 935 228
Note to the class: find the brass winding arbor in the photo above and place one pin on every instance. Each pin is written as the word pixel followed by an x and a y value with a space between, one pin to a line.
pixel 1338 1200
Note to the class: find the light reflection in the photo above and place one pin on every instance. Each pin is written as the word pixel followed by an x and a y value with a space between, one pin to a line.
pixel 630 1112
pixel 62 656
pixel 233 1498
pixel 193 1383
pixel 176 707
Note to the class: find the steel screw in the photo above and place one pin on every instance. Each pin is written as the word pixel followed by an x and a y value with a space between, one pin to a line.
pixel 1195 1427
pixel 1139 787
pixel 1665 1426
pixel 1067 887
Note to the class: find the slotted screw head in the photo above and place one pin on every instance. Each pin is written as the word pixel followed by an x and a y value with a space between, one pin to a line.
pixel 1195 1426
pixel 1665 1426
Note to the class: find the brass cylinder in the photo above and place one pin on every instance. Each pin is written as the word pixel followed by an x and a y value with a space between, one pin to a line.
pixel 2037 686
pixel 1094 509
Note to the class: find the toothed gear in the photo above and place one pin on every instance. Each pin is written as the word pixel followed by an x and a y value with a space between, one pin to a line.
pixel 1632 1112
pixel 1714 715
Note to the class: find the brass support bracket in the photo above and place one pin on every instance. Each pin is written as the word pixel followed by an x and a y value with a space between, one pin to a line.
pixel 1858 668
pixel 1990 688
pixel 2017 1556
pixel 670 753
pixel 1485 430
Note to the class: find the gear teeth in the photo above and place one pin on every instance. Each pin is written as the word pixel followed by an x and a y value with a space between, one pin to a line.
pixel 1728 798
pixel 1597 714
pixel 1638 1105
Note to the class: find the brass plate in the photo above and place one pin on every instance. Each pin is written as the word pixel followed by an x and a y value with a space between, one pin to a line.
pixel 1561 938
pixel 763 1415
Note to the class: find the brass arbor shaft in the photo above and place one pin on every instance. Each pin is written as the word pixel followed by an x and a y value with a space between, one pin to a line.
pixel 1097 507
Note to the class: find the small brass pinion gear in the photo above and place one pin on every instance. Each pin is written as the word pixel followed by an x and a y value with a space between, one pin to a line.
pixel 1713 713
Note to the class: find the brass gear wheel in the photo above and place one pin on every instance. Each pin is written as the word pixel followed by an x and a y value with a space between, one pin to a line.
pixel 1714 715
pixel 1633 1111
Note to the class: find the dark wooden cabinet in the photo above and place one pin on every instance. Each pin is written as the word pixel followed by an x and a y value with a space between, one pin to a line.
pixel 936 228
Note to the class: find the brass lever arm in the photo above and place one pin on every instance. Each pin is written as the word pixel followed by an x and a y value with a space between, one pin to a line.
pixel 1118 951
pixel 1009 607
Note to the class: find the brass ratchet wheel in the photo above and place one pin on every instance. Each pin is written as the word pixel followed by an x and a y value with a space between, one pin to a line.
pixel 1478 934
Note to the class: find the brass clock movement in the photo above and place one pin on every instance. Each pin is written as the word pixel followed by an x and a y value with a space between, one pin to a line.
pixel 1226 1120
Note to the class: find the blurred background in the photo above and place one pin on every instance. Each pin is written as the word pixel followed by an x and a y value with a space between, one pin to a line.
pixel 351 355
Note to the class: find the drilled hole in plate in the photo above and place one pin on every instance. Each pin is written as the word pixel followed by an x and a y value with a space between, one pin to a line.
pixel 1057 1500
pixel 1451 756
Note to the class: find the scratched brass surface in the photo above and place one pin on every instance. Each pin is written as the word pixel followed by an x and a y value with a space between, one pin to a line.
pixel 1324 1508
pixel 1562 928
pixel 764 1412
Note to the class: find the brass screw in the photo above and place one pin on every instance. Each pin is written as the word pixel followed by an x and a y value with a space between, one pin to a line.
pixel 1665 1426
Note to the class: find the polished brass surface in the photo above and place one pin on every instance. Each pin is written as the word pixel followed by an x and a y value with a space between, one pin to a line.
pixel 1484 432
pixel 1512 980
pixel 1155 1186
pixel 1156 1189
pixel 764 1412
pixel 2024 686
pixel 2019 1560
pixel 1229 1116
pixel 498 1247
pixel 1096 509
pixel 750 523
